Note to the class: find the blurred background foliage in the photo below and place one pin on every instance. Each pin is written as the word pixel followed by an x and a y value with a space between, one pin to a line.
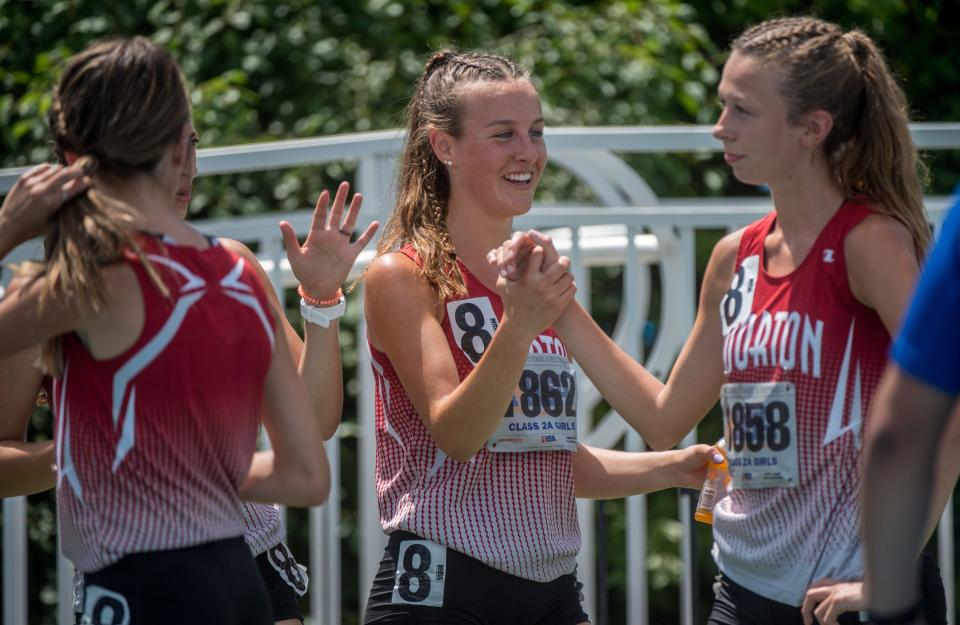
pixel 264 70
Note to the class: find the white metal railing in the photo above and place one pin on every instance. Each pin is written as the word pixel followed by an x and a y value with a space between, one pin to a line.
pixel 630 226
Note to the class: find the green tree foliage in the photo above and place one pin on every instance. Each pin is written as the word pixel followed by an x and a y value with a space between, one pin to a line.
pixel 273 70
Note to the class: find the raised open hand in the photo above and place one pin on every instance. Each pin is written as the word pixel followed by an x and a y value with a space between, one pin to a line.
pixel 324 260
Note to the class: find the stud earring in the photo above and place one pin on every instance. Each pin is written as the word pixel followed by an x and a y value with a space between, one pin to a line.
pixel 448 163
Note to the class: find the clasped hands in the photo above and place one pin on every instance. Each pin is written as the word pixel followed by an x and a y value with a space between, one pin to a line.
pixel 512 256
pixel 534 282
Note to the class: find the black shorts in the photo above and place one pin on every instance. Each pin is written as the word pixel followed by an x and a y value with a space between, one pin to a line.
pixel 735 605
pixel 216 582
pixel 285 580
pixel 434 585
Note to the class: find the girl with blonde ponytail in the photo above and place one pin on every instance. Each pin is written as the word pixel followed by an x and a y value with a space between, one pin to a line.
pixel 794 322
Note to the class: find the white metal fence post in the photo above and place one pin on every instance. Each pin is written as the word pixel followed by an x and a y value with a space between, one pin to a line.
pixel 15 561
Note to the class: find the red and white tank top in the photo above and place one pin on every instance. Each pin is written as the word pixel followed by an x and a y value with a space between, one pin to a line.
pixel 153 444
pixel 802 359
pixel 512 510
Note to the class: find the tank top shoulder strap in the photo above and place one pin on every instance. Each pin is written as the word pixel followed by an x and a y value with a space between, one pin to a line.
pixel 751 241
pixel 829 252
pixel 151 246
pixel 408 251
pixel 76 349
pixel 379 359
pixel 472 283
pixel 849 215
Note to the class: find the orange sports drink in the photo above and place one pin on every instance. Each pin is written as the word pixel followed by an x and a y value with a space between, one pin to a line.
pixel 714 487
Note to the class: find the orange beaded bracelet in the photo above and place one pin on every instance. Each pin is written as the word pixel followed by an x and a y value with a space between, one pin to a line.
pixel 326 302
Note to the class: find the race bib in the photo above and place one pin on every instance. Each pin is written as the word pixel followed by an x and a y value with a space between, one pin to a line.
pixel 759 423
pixel 290 571
pixel 421 569
pixel 104 607
pixel 542 415
pixel 737 303
pixel 473 323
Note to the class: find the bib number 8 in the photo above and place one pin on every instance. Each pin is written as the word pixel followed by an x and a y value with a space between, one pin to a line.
pixel 415 571
pixel 733 300
pixel 469 318
pixel 286 566
pixel 756 425
pixel 421 569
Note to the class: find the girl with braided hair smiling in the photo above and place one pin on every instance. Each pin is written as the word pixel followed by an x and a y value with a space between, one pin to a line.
pixel 478 464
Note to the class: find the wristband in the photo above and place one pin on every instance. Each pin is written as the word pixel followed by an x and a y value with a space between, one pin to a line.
pixel 907 617
pixel 326 302
pixel 322 316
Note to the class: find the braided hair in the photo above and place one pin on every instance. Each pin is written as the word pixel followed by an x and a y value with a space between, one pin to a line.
pixel 869 148
pixel 420 215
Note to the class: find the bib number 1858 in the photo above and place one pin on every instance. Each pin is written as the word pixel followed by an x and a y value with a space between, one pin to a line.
pixel 761 430
pixel 756 425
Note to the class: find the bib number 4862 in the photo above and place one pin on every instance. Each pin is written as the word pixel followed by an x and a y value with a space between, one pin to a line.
pixel 552 392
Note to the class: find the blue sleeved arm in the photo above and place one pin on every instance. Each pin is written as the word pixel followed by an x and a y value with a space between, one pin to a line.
pixel 928 346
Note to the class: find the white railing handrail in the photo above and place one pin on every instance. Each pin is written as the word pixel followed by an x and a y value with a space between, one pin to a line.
pixel 636 139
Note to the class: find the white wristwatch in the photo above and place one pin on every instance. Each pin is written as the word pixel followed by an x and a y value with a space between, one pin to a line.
pixel 322 316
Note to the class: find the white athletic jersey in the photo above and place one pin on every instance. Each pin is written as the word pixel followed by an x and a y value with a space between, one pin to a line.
pixel 512 510
pixel 802 358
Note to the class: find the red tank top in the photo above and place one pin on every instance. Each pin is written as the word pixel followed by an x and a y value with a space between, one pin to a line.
pixel 802 358
pixel 153 444
pixel 514 511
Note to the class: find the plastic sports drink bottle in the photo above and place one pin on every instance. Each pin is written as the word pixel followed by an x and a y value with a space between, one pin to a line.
pixel 715 486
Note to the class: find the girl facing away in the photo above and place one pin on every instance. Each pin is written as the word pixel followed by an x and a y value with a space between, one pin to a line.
pixel 157 398
pixel 321 264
